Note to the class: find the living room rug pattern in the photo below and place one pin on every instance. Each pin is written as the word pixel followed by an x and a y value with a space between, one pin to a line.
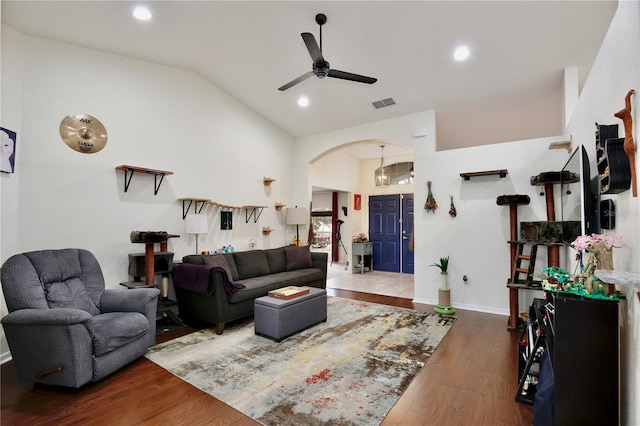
pixel 350 370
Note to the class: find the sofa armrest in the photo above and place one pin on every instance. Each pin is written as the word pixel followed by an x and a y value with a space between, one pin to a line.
pixel 319 260
pixel 47 317
pixel 143 300
pixel 52 346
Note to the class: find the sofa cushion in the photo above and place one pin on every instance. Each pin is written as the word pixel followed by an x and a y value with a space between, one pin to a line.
pixel 70 293
pixel 298 257
pixel 260 286
pixel 232 265
pixel 251 264
pixel 62 276
pixel 197 259
pixel 218 261
pixel 115 329
pixel 277 260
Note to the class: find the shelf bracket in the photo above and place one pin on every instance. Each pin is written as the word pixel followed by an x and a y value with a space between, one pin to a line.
pixel 128 175
pixel 196 210
pixel 157 184
pixel 254 211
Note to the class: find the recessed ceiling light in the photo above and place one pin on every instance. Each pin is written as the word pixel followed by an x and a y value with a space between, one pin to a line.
pixel 142 13
pixel 303 101
pixel 461 53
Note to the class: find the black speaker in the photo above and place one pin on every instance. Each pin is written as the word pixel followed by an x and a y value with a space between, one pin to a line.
pixel 607 214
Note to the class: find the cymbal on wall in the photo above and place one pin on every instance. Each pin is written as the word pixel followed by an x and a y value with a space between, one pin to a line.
pixel 83 133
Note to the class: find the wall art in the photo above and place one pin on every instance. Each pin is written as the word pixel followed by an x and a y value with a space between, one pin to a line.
pixel 8 150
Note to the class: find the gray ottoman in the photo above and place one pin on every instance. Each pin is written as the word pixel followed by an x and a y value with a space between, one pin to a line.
pixel 279 318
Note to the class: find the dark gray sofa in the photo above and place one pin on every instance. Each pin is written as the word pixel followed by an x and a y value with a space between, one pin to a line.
pixel 222 288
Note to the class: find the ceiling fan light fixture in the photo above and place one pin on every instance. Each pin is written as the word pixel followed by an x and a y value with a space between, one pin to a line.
pixel 320 67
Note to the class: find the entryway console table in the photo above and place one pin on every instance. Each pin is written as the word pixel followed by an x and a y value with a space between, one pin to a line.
pixel 362 257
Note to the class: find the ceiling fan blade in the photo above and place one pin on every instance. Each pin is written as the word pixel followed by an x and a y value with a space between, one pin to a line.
pixel 349 76
pixel 292 83
pixel 312 47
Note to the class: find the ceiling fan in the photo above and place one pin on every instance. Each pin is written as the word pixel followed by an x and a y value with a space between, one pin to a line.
pixel 321 67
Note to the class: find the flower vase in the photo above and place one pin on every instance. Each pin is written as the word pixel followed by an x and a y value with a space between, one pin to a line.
pixel 444 298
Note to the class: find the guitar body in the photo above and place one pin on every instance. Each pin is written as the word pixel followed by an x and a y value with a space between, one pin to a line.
pixel 613 167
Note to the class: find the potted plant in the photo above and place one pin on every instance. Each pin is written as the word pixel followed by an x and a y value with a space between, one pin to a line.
pixel 444 294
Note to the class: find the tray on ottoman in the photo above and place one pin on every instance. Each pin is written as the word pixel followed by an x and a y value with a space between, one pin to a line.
pixel 279 318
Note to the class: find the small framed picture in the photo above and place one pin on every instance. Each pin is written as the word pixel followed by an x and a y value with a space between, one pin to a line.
pixel 357 202
pixel 226 220
pixel 8 150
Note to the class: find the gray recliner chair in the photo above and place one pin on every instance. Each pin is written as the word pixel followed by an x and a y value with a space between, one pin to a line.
pixel 63 327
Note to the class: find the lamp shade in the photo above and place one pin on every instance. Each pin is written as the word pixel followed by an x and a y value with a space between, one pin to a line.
pixel 296 216
pixel 197 224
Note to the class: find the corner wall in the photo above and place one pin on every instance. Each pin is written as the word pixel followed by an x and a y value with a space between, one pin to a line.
pixel 615 71
pixel 156 117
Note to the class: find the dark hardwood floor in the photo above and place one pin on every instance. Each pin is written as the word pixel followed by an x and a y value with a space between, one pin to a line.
pixel 469 380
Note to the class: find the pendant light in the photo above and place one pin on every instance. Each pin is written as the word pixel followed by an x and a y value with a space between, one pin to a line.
pixel 382 175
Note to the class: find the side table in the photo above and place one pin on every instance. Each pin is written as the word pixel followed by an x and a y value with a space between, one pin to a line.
pixel 364 260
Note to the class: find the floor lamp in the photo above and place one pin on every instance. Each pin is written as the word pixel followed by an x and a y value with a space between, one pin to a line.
pixel 296 216
pixel 197 224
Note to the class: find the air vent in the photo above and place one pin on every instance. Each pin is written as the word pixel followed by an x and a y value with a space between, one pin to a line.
pixel 384 103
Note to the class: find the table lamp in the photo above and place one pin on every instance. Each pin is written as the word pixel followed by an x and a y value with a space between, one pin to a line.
pixel 197 224
pixel 296 216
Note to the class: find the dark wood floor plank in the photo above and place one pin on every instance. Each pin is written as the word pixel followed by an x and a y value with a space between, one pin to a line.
pixel 470 379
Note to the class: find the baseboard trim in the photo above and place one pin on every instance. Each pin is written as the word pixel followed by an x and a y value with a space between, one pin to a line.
pixel 476 308
pixel 5 357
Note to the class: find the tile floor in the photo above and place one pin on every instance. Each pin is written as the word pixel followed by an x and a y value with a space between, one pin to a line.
pixel 376 282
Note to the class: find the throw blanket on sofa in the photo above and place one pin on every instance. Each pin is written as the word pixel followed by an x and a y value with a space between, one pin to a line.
pixel 195 278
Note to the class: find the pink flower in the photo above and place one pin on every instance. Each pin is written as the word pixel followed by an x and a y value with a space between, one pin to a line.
pixel 598 242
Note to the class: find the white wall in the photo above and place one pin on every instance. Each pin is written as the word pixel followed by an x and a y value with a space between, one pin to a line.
pixel 156 117
pixel 476 240
pixel 615 71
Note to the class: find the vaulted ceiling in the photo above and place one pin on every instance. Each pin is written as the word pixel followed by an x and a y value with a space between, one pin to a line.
pixel 510 87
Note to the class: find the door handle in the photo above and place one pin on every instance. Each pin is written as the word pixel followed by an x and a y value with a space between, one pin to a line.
pixel 405 237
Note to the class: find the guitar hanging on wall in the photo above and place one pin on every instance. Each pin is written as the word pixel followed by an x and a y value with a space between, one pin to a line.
pixel 615 175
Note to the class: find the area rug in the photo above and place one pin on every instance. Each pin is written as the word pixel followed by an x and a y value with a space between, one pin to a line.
pixel 350 370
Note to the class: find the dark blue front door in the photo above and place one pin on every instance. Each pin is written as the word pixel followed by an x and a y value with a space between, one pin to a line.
pixel 407 229
pixel 384 231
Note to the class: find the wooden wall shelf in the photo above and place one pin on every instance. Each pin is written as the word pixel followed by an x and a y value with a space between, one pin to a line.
pixel 223 206
pixel 250 211
pixel 266 230
pixel 279 206
pixel 267 181
pixel 468 175
pixel 129 171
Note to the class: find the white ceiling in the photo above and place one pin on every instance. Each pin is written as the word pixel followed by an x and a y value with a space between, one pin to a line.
pixel 509 89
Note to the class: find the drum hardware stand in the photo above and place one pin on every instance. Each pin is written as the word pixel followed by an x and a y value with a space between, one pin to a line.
pixel 341 244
